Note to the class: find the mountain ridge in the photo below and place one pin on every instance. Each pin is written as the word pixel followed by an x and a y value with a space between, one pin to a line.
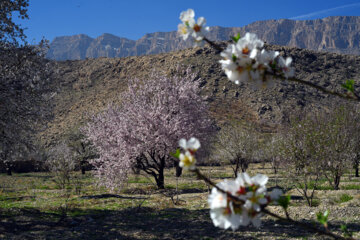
pixel 339 34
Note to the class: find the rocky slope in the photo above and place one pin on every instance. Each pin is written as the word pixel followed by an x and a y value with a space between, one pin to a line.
pixel 333 34
pixel 87 86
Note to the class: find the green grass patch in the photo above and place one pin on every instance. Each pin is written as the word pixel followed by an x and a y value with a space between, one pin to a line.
pixel 324 187
pixel 43 187
pixel 344 198
pixel 183 186
pixel 137 179
pixel 350 187
pixel 320 185
pixel 222 175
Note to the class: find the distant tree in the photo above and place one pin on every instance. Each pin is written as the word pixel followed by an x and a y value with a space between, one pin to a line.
pixel 83 151
pixel 356 164
pixel 271 149
pixel 302 149
pixel 340 129
pixel 236 144
pixel 24 85
pixel 141 133
pixel 355 126
pixel 61 163
pixel 321 144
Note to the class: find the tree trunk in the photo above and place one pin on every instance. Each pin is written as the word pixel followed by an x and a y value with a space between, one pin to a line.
pixel 356 167
pixel 83 170
pixel 237 166
pixel 337 182
pixel 178 170
pixel 160 179
pixel 8 171
pixel 244 165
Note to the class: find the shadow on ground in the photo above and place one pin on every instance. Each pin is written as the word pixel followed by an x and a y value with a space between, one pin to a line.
pixel 136 223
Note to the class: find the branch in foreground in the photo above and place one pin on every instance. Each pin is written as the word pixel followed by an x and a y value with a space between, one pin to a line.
pixel 213 44
pixel 309 227
pixel 353 96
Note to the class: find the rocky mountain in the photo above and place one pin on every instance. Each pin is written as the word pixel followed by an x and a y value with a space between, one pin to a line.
pixel 332 34
pixel 87 86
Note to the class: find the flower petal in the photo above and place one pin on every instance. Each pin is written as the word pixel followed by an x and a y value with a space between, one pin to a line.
pixel 182 143
pixel 201 21
pixel 260 179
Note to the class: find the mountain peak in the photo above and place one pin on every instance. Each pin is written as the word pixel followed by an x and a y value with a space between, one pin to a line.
pixel 335 34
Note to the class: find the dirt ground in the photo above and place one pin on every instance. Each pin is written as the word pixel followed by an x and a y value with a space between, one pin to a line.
pixel 32 208
pixel 142 223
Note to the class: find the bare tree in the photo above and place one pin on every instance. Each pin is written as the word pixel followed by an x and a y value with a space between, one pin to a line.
pixel 236 144
pixel 271 149
pixel 302 147
pixel 62 163
pixel 339 130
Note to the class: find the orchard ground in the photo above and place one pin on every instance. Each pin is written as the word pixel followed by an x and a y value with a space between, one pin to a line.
pixel 33 207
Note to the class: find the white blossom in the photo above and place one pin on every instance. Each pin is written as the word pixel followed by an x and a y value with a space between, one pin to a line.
pixel 275 194
pixel 246 61
pixel 223 212
pixel 285 66
pixel 190 27
pixel 191 145
pixel 246 209
pixel 187 161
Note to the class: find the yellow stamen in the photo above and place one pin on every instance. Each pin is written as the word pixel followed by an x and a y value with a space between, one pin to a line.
pixel 184 30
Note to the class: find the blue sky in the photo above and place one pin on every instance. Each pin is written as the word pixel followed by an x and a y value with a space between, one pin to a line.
pixel 134 18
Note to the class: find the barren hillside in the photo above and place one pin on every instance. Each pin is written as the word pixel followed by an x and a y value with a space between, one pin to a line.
pixel 87 86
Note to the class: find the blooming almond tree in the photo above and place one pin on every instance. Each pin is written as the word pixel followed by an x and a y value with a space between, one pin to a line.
pixel 141 133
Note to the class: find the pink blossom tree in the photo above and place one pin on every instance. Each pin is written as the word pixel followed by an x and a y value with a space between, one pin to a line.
pixel 141 133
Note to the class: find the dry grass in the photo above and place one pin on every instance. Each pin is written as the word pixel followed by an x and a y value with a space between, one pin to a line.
pixel 34 198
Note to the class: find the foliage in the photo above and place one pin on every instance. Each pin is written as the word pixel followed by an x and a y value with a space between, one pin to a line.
pixel 141 133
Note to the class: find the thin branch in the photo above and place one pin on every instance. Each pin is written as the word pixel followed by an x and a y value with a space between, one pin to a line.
pixel 213 44
pixel 208 181
pixel 354 96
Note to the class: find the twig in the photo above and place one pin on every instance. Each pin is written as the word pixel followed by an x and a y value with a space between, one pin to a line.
pixel 213 44
pixel 305 225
